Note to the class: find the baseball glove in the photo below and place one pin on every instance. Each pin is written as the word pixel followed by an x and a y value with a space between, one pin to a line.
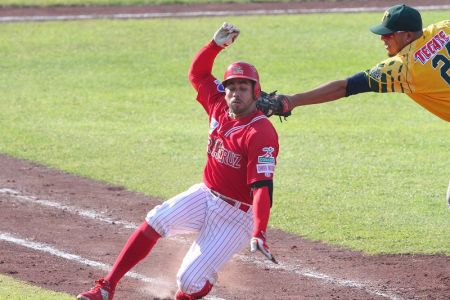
pixel 273 104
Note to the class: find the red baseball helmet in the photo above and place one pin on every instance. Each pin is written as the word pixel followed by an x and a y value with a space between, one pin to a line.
pixel 244 70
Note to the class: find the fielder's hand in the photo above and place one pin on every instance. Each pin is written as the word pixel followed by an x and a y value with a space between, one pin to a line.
pixel 259 243
pixel 226 35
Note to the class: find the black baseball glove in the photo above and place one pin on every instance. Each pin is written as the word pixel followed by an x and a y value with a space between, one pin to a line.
pixel 273 104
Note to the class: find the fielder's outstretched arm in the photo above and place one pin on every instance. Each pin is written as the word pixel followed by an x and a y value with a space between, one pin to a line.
pixel 332 90
pixel 327 92
pixel 281 105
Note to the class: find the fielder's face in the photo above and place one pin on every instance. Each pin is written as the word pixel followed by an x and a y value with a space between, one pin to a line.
pixel 395 42
pixel 239 97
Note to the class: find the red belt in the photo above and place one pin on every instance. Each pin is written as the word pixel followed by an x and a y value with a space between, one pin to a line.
pixel 242 206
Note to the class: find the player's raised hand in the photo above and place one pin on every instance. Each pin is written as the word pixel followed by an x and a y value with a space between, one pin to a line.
pixel 259 243
pixel 226 35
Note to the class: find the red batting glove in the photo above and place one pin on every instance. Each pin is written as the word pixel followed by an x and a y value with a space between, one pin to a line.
pixel 259 243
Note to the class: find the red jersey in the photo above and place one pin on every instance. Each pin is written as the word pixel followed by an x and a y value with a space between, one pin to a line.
pixel 240 152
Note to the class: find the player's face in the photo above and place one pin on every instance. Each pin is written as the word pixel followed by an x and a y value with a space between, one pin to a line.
pixel 395 42
pixel 239 97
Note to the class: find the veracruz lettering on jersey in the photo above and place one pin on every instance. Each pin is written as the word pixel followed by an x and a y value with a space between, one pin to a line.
pixel 223 155
pixel 421 70
pixel 240 152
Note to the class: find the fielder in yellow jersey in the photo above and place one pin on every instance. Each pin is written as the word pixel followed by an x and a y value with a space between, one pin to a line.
pixel 421 70
pixel 418 65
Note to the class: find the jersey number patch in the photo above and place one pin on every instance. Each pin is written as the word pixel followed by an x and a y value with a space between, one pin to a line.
pixel 445 64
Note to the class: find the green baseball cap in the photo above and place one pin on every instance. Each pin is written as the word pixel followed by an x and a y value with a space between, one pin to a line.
pixel 399 18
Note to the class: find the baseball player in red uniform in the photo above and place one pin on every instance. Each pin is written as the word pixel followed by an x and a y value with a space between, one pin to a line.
pixel 231 207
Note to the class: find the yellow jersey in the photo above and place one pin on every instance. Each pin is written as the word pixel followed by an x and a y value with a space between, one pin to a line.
pixel 421 70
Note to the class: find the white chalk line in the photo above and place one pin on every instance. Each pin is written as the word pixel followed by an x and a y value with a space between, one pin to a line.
pixel 90 214
pixel 262 264
pixel 326 278
pixel 15 239
pixel 207 13
pixel 82 212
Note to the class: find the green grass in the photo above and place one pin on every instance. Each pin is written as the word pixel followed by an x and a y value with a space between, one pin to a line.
pixel 14 289
pixel 110 100
pixel 46 3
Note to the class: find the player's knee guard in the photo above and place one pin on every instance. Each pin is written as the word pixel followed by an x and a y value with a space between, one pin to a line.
pixel 180 295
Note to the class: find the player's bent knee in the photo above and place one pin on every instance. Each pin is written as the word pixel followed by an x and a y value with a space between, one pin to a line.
pixel 180 295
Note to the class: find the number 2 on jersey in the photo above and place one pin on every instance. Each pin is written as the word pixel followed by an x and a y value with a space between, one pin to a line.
pixel 445 64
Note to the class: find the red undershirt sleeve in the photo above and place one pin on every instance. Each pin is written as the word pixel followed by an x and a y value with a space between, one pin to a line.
pixel 202 64
pixel 261 210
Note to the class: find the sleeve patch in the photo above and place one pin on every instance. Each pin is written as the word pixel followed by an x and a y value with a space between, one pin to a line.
pixel 375 73
pixel 266 169
pixel 219 85
pixel 266 162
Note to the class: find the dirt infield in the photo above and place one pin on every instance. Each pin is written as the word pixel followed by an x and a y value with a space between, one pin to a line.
pixel 48 207
pixel 59 231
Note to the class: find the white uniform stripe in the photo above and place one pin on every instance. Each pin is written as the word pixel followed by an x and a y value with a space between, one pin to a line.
pixel 214 227
pixel 231 247
pixel 241 230
pixel 202 237
pixel 184 212
pixel 230 131
pixel 192 273
pixel 238 230
pixel 183 216
pixel 221 244
pixel 208 231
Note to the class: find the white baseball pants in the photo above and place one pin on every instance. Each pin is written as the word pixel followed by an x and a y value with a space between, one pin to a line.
pixel 223 231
